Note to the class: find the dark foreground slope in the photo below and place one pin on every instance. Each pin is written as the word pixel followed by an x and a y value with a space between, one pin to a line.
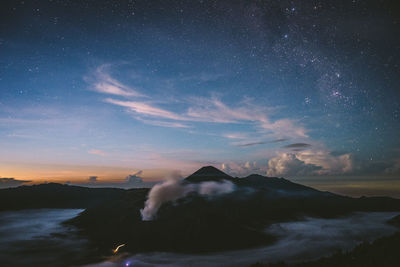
pixel 395 221
pixel 194 224
pixel 54 195
pixel 230 221
pixel 383 252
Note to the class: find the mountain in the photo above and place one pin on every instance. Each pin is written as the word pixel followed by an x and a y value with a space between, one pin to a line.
pixel 272 185
pixel 208 173
pixel 53 195
pixel 192 224
pixel 278 186
pixel 197 224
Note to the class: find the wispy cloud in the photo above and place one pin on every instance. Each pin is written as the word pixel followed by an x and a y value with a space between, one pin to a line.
pixel 251 144
pixel 284 127
pixel 102 82
pixel 202 77
pixel 245 144
pixel 165 123
pixel 97 152
pixel 198 109
pixel 235 135
pixel 147 109
pixel 279 140
pixel 214 110
pixel 297 145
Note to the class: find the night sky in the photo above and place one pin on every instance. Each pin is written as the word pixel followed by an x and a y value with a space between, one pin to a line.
pixel 280 88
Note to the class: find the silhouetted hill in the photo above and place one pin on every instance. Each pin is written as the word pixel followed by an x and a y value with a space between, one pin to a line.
pixel 277 186
pixel 208 173
pixel 272 185
pixel 195 223
pixel 201 224
pixel 53 195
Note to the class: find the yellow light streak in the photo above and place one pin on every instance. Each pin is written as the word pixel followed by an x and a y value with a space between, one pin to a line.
pixel 117 248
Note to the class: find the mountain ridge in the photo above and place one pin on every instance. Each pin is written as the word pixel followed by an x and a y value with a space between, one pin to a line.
pixel 199 224
pixel 193 223
pixel 274 185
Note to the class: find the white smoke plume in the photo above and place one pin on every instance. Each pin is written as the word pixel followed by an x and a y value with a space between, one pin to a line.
pixel 174 189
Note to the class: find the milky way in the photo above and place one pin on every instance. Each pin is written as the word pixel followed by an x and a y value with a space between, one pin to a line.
pixel 180 84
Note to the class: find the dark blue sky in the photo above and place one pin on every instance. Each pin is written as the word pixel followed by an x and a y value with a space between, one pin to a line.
pixel 286 88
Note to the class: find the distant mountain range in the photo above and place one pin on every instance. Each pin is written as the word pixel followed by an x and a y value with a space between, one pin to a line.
pixel 194 223
pixel 272 185
pixel 53 195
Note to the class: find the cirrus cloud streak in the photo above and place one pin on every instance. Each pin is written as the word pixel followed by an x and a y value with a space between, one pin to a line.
pixel 197 110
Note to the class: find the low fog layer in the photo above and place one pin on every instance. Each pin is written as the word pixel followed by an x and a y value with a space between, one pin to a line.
pixel 302 240
pixel 37 238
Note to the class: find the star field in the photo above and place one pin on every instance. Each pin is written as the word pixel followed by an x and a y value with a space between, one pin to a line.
pixel 179 84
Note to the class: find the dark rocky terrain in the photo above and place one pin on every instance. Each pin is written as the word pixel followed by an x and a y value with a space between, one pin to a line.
pixel 195 223
pixel 383 252
pixel 53 195
pixel 200 224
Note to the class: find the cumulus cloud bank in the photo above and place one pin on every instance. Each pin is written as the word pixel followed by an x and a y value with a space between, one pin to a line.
pixel 135 181
pixel 243 169
pixel 309 162
pixel 296 163
pixel 92 179
pixel 289 164
pixel 131 181
pixel 330 163
pixel 174 189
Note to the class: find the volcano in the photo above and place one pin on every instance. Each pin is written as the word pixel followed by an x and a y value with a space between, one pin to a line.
pixel 208 173
pixel 274 186
pixel 193 223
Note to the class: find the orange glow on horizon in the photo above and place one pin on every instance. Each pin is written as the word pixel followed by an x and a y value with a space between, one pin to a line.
pixel 40 173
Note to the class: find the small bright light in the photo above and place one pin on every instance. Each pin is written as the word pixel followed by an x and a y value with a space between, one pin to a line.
pixel 117 248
